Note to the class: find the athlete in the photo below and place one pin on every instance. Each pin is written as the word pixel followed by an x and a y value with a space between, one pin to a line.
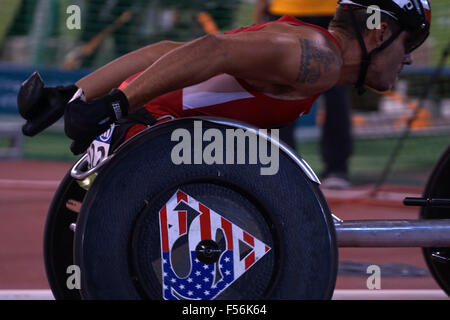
pixel 266 75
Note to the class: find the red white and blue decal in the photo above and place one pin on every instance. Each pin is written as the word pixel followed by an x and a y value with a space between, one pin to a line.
pixel 204 281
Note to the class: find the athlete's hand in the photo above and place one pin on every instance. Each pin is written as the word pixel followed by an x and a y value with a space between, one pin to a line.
pixel 85 121
pixel 41 106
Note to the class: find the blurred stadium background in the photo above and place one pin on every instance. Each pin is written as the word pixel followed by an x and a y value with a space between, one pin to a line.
pixel 34 35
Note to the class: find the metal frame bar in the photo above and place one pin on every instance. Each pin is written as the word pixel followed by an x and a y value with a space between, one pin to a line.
pixel 393 233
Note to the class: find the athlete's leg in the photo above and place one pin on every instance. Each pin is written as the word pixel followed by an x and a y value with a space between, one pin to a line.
pixel 336 142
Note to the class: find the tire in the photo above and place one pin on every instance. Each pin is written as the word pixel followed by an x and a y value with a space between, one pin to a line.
pixel 118 243
pixel 58 238
pixel 438 186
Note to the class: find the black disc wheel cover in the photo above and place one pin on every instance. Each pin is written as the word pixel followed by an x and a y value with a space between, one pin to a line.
pixel 117 244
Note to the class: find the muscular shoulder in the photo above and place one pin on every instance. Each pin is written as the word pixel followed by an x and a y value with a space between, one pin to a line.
pixel 317 61
pixel 319 66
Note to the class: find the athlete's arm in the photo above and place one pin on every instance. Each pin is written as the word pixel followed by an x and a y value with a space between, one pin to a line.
pixel 272 57
pixel 101 81
pixel 280 58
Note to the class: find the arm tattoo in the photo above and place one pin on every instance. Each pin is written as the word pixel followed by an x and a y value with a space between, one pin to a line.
pixel 314 62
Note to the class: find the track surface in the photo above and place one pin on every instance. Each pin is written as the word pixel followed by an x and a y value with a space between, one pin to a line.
pixel 27 187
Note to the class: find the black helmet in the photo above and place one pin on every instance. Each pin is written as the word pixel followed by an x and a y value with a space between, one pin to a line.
pixel 413 16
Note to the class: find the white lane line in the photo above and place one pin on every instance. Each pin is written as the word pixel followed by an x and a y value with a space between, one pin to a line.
pixel 26 295
pixel 29 184
pixel 338 295
pixel 390 295
pixel 365 194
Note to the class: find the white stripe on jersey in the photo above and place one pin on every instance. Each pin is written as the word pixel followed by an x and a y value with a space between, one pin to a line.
pixel 219 89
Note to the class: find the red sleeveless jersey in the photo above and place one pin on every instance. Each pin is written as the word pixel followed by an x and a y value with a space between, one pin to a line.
pixel 230 97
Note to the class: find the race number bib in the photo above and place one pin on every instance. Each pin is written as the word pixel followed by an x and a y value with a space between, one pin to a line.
pixel 99 148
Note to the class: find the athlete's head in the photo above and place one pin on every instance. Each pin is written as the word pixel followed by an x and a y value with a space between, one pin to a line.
pixel 386 47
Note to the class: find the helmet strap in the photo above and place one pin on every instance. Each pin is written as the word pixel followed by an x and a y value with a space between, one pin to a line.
pixel 366 56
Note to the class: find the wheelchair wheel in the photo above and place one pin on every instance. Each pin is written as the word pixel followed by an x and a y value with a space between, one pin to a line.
pixel 438 186
pixel 150 229
pixel 58 238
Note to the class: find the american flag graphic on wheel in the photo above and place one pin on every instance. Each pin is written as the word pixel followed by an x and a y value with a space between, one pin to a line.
pixel 205 281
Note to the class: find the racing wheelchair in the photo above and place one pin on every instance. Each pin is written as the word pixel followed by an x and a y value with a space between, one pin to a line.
pixel 139 226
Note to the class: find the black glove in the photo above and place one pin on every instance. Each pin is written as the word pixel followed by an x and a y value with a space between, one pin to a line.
pixel 85 121
pixel 40 106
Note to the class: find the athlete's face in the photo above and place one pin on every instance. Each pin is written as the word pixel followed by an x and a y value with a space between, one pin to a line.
pixel 386 65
